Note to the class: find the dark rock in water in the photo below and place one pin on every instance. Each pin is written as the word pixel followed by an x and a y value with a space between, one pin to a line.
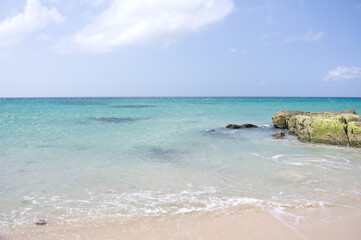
pixel 81 103
pixel 332 127
pixel 114 119
pixel 246 125
pixel 133 106
pixel 160 153
pixel 279 135
pixel 41 222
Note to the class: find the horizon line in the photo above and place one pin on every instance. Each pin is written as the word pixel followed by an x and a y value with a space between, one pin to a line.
pixel 63 97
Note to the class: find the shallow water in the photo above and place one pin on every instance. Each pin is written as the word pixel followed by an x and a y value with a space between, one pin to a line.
pixel 70 159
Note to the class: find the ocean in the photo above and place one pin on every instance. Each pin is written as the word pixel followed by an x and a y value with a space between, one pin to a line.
pixel 70 159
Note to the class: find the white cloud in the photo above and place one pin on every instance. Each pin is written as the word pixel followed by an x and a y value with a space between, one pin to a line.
pixel 235 50
pixel 343 73
pixel 129 22
pixel 93 2
pixel 310 36
pixel 261 83
pixel 35 16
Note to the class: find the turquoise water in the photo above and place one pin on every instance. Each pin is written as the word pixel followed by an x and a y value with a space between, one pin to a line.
pixel 68 159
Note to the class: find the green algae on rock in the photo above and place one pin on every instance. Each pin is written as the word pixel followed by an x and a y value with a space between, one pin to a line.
pixel 354 131
pixel 333 127
pixel 279 135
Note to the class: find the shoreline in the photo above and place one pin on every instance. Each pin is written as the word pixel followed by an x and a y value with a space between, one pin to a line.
pixel 308 223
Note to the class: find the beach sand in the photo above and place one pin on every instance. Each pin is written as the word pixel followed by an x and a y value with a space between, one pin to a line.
pixel 311 223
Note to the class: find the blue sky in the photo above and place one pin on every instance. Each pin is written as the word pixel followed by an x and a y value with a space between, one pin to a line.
pixel 52 48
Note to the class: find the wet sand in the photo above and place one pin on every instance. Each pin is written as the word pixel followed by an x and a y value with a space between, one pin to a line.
pixel 312 223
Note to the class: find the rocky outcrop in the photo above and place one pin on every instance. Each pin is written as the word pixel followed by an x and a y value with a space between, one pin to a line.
pixel 354 131
pixel 279 135
pixel 246 125
pixel 337 128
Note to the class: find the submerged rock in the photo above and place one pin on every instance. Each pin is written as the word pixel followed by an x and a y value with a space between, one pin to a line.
pixel 76 103
pixel 337 128
pixel 246 125
pixel 41 222
pixel 133 106
pixel 279 135
pixel 114 119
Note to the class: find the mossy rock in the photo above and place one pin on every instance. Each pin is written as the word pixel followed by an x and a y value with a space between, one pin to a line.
pixel 279 135
pixel 281 118
pixel 328 131
pixel 354 133
pixel 331 127
pixel 350 111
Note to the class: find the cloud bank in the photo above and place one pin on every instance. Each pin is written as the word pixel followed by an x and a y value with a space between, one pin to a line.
pixel 341 73
pixel 129 22
pixel 34 17
pixel 310 36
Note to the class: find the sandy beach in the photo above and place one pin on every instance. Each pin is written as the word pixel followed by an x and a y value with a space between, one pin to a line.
pixel 310 224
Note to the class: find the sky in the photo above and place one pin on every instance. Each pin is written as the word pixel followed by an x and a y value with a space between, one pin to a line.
pixel 123 48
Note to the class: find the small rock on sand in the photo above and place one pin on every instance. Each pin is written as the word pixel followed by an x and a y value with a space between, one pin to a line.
pixel 41 222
